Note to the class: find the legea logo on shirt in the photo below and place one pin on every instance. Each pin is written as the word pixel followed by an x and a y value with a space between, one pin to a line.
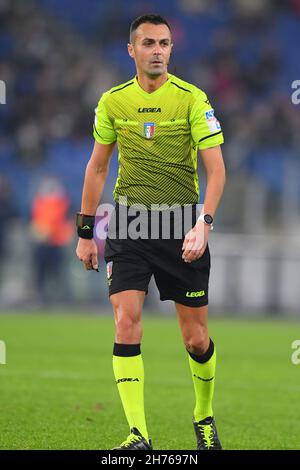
pixel 149 110
pixel 212 122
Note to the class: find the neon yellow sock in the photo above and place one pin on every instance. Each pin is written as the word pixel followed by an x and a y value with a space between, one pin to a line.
pixel 129 374
pixel 204 383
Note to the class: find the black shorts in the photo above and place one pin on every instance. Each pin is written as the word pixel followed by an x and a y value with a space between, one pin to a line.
pixel 131 263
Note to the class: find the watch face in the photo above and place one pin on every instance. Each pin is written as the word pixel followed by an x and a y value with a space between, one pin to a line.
pixel 208 219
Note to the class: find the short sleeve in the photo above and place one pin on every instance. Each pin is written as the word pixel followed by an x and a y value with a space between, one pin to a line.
pixel 205 128
pixel 104 132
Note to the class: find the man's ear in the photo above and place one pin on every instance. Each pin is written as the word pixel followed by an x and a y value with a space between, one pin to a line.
pixel 130 50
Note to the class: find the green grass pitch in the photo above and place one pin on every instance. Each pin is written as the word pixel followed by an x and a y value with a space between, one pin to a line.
pixel 57 389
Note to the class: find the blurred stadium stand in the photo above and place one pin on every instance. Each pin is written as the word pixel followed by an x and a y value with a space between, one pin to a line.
pixel 58 56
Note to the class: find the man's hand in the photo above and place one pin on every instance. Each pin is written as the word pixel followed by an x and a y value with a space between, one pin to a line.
pixel 87 253
pixel 195 242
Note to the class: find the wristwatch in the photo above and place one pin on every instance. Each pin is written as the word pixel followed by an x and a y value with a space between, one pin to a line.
pixel 207 219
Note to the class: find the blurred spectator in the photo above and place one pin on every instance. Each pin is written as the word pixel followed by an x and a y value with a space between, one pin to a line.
pixel 193 7
pixel 7 213
pixel 52 231
pixel 252 16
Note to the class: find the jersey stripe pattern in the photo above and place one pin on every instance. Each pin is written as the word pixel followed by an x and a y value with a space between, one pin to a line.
pixel 158 136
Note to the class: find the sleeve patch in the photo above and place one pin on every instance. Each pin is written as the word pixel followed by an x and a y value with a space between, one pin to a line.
pixel 212 122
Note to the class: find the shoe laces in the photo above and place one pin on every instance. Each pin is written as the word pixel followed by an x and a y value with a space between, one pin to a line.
pixel 207 434
pixel 131 439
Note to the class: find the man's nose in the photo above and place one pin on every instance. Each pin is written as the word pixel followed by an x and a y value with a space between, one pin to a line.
pixel 157 49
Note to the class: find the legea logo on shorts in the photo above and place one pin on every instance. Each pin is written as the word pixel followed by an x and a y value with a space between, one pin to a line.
pixel 199 293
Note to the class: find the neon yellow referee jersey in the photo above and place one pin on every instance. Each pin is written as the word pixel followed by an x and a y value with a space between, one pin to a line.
pixel 158 135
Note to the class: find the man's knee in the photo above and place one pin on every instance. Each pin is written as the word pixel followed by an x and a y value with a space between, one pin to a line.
pixel 128 323
pixel 128 330
pixel 197 341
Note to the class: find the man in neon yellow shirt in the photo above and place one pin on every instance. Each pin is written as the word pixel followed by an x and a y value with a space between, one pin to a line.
pixel 159 122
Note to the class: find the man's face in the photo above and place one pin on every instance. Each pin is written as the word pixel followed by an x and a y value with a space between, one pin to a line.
pixel 151 48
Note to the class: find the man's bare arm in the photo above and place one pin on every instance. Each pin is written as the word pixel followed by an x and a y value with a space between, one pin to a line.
pixel 215 173
pixel 195 241
pixel 95 176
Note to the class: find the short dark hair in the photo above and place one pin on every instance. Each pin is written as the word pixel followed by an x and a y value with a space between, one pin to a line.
pixel 153 19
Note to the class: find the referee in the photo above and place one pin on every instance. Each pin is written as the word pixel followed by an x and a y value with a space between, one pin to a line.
pixel 159 121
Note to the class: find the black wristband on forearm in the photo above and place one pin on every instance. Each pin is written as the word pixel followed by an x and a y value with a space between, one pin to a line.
pixel 86 232
pixel 85 225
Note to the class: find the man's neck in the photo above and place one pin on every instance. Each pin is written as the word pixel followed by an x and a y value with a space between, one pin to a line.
pixel 151 84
